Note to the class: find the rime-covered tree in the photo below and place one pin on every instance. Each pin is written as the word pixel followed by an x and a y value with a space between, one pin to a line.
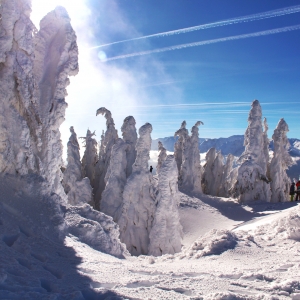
pixel 178 147
pixel 166 233
pixel 280 162
pixel 266 147
pixel 112 196
pixel 196 168
pixel 122 157
pixel 226 179
pixel 217 173
pixel 253 170
pixel 110 138
pixel 90 157
pixel 138 199
pixel 208 177
pixel 35 70
pixel 130 137
pixel 77 188
pixel 161 156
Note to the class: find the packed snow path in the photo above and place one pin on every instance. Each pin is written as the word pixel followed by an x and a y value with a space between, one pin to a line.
pixel 34 264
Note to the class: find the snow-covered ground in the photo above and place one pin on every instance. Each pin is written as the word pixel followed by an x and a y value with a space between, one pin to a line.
pixel 229 252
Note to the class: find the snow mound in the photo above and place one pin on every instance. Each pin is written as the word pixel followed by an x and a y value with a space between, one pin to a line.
pixel 228 296
pixel 213 242
pixel 95 229
pixel 287 227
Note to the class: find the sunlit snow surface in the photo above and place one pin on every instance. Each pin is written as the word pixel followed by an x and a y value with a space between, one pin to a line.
pixel 250 262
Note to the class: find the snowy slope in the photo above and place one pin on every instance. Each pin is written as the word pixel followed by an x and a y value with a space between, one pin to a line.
pixel 37 262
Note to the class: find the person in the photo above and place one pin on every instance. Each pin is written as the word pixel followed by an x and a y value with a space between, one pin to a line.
pixel 298 190
pixel 151 168
pixel 292 190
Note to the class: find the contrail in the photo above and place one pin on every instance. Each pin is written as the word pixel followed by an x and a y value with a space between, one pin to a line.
pixel 249 18
pixel 207 42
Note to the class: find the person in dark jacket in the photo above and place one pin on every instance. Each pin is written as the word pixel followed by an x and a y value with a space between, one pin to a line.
pixel 292 191
pixel 298 190
pixel 151 168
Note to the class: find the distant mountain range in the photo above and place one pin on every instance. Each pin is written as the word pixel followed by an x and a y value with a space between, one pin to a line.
pixel 234 145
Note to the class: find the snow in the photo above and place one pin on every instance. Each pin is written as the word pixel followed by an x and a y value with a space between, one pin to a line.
pixel 185 245
pixel 258 262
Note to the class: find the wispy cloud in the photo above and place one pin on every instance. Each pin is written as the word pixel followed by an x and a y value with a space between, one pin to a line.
pixel 248 18
pixel 207 42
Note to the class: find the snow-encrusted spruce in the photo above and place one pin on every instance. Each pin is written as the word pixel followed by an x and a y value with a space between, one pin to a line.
pixel 90 157
pixel 110 138
pixel 190 171
pixel 161 156
pixel 178 147
pixel 217 173
pixel 166 233
pixel 18 107
pixel 252 183
pixel 130 137
pixel 34 77
pixel 112 196
pixel 138 199
pixel 208 178
pixel 266 147
pixel 280 162
pixel 226 180
pixel 56 58
pixel 196 168
pixel 122 158
pixel 77 188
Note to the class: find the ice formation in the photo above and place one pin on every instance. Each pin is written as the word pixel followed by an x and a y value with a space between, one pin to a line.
pixel 187 155
pixel 226 179
pixel 266 147
pixel 280 162
pixel 110 138
pixel 130 137
pixel 90 157
pixel 166 233
pixel 208 178
pixel 138 199
pixel 196 168
pixel 34 77
pixel 252 183
pixel 217 173
pixel 161 156
pixel 112 196
pixel 77 188
pixel 178 147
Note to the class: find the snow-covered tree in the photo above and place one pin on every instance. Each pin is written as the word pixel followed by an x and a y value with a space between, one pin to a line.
pixel 196 168
pixel 161 156
pixel 138 199
pixel 90 157
pixel 280 162
pixel 77 188
pixel 166 233
pixel 208 178
pixel 35 66
pixel 266 147
pixel 110 138
pixel 226 179
pixel 217 173
pixel 130 137
pixel 178 147
pixel 112 196
pixel 254 161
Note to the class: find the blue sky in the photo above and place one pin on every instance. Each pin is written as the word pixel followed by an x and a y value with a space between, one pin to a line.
pixel 214 83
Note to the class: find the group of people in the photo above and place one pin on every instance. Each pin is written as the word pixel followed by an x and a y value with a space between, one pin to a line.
pixel 295 189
